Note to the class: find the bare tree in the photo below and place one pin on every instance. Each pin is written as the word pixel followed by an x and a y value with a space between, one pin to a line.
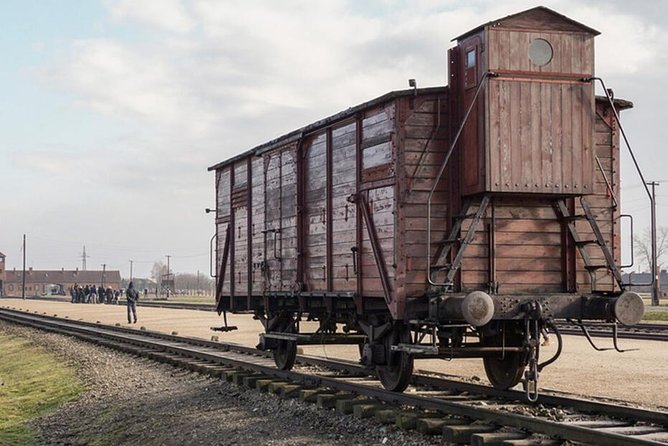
pixel 158 271
pixel 193 282
pixel 643 247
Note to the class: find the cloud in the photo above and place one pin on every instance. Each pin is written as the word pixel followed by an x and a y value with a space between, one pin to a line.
pixel 167 15
pixel 190 83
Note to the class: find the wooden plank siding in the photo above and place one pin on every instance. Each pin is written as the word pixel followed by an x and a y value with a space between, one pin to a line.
pixel 540 137
pixel 425 132
pixel 528 237
pixel 257 226
pixel 315 253
pixel 293 204
pixel 343 212
pixel 377 143
pixel 538 120
pixel 224 209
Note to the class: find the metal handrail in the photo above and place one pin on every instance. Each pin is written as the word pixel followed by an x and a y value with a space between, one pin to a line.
pixel 442 169
pixel 633 156
pixel 621 129
pixel 607 182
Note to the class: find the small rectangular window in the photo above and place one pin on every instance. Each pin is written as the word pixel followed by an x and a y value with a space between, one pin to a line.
pixel 470 58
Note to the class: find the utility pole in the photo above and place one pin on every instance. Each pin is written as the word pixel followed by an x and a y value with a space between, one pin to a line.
pixel 104 270
pixel 131 270
pixel 656 285
pixel 168 276
pixel 83 259
pixel 23 278
pixel 198 282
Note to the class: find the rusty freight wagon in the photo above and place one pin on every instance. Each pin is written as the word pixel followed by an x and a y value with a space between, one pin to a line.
pixel 457 221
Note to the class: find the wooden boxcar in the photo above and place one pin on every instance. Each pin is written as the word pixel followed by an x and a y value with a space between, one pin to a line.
pixel 456 221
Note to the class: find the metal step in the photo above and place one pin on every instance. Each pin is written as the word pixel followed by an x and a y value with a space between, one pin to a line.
pixel 587 242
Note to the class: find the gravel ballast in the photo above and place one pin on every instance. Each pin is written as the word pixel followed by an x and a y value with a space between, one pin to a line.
pixel 136 401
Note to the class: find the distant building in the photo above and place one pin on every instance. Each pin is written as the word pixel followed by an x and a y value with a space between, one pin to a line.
pixel 39 282
pixel 642 282
pixel 2 274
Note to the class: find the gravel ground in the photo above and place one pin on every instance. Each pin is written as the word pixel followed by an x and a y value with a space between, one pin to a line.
pixel 637 376
pixel 133 401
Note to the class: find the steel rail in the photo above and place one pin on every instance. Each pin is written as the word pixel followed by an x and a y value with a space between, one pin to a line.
pixel 239 358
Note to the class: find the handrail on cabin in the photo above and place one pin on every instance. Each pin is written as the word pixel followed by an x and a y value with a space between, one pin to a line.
pixel 621 130
pixel 442 169
pixel 635 163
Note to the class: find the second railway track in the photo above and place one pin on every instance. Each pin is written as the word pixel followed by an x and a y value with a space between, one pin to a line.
pixel 464 413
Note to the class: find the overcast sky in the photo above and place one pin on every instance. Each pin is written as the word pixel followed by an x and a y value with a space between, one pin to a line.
pixel 112 110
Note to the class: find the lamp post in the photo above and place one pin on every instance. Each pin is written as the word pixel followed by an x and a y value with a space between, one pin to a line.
pixel 23 275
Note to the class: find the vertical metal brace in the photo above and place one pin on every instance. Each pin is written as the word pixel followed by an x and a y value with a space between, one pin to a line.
pixel 221 274
pixel 442 169
pixel 375 245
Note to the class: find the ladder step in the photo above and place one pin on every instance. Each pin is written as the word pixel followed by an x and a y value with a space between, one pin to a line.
pixel 587 242
pixel 449 241
pixel 574 217
pixel 595 267
pixel 464 216
pixel 438 268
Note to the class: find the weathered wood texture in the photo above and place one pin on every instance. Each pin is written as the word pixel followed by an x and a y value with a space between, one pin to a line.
pixel 533 139
pixel 572 53
pixel 425 141
pixel 537 120
pixel 540 137
pixel 528 237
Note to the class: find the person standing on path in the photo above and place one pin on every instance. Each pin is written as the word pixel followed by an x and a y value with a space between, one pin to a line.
pixel 132 296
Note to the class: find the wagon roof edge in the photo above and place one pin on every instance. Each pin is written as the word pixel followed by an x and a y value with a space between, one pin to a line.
pixel 297 134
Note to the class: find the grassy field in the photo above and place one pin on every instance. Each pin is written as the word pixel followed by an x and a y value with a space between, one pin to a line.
pixel 32 383
pixel 655 316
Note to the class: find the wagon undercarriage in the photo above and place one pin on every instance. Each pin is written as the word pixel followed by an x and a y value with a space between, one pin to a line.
pixel 504 330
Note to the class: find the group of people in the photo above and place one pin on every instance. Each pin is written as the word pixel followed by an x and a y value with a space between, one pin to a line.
pixel 91 294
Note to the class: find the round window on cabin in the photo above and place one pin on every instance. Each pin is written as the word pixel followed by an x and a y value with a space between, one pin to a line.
pixel 540 52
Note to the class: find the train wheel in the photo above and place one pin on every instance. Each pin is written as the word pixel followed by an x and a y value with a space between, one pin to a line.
pixel 396 374
pixel 285 354
pixel 505 371
pixel 285 351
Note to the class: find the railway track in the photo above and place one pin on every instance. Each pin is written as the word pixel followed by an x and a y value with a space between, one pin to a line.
pixel 463 413
pixel 643 331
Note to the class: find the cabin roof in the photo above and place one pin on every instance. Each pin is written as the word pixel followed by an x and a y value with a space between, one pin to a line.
pixel 539 17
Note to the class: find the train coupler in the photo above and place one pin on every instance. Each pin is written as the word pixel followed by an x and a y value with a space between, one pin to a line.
pixel 530 380
pixel 533 315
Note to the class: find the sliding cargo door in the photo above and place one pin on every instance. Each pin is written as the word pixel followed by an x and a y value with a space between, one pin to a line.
pixel 330 219
pixel 315 213
pixel 279 268
pixel 377 204
pixel 344 212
